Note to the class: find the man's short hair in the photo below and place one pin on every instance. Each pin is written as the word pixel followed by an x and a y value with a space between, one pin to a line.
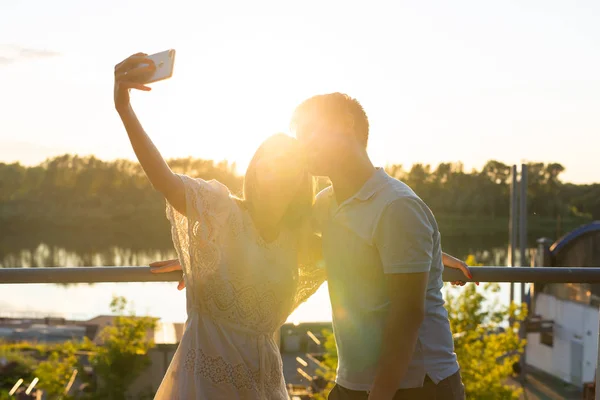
pixel 335 107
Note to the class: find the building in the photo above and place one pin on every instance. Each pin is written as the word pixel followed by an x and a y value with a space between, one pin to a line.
pixel 564 341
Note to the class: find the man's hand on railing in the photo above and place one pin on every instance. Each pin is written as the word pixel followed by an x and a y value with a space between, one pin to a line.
pixel 159 267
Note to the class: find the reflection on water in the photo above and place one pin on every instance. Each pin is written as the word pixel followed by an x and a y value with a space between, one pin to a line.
pixel 19 252
pixel 83 301
pixel 52 256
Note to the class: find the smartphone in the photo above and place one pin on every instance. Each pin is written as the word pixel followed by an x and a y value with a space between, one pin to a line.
pixel 164 62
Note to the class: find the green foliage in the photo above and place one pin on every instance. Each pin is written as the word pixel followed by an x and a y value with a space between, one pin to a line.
pixel 486 339
pixel 52 364
pixel 117 362
pixel 55 372
pixel 124 352
pixel 448 190
pixel 20 365
pixel 330 362
pixel 112 201
pixel 83 202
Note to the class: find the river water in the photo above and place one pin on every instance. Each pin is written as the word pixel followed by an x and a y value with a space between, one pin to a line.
pixel 84 301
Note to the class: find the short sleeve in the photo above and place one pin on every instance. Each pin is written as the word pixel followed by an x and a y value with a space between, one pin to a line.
pixel 195 234
pixel 404 237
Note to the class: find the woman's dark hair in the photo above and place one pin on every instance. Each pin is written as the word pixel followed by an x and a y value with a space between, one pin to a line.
pixel 302 202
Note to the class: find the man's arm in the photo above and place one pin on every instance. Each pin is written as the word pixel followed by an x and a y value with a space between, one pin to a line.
pixel 406 313
pixel 404 240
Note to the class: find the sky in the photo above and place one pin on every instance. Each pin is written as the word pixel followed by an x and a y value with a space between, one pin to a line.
pixel 441 81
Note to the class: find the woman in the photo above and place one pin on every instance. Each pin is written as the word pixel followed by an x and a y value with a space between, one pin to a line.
pixel 247 263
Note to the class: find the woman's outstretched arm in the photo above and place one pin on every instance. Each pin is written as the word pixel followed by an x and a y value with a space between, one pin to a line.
pixel 453 262
pixel 127 77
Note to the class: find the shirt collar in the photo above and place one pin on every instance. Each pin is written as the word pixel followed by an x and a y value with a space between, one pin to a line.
pixel 370 187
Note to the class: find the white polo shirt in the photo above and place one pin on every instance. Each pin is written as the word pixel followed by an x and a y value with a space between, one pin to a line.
pixel 383 229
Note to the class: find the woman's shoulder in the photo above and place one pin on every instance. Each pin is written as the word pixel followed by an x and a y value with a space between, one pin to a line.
pixel 211 189
pixel 212 185
pixel 209 197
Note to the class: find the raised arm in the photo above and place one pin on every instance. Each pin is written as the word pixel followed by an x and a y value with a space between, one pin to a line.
pixel 127 76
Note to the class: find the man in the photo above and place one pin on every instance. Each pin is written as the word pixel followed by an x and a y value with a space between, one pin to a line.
pixel 382 251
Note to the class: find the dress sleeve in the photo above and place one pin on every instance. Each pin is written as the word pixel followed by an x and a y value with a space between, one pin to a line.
pixel 195 235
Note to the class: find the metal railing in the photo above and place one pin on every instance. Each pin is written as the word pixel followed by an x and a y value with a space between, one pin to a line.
pixel 143 274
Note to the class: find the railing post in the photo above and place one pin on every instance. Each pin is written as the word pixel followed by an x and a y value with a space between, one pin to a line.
pixel 544 258
pixel 523 222
pixel 523 249
pixel 512 225
pixel 597 385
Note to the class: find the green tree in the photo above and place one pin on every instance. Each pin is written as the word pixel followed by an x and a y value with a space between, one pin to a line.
pixel 123 354
pixel 486 344
pixel 486 351
pixel 55 372
pixel 84 204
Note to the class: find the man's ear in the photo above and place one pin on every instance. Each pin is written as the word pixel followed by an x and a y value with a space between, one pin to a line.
pixel 349 122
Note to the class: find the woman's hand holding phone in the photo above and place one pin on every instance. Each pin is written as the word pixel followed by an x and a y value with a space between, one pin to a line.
pixel 129 74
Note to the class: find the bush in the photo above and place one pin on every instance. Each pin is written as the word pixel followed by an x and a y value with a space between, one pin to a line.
pixel 486 343
pixel 124 353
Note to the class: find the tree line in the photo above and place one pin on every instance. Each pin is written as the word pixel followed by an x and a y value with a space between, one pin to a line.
pixel 74 193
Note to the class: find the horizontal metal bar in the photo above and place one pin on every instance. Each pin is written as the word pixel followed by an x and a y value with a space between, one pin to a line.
pixel 143 274
pixel 84 275
pixel 527 274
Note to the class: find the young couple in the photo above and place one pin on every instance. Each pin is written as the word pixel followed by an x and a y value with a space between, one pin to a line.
pixel 249 262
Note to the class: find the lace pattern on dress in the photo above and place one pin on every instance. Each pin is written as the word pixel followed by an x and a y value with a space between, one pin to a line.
pixel 195 235
pixel 311 271
pixel 310 278
pixel 219 371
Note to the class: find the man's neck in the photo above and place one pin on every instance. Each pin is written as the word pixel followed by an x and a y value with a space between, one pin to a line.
pixel 348 182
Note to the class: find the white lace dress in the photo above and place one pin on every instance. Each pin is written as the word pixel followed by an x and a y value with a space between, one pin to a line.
pixel 240 290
